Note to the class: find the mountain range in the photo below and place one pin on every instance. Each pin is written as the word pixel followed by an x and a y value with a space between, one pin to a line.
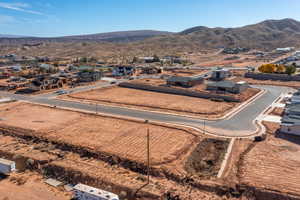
pixel 264 35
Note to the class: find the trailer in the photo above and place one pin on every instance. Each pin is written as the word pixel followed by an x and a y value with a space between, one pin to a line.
pixel 85 192
pixel 7 166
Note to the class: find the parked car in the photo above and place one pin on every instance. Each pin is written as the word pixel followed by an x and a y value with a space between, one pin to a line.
pixel 60 92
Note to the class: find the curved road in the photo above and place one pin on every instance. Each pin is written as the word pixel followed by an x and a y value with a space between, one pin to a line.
pixel 238 125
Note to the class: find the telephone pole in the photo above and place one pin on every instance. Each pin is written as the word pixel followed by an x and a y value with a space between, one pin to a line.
pixel 148 161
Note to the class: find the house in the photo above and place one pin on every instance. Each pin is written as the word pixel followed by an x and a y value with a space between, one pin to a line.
pixel 123 70
pixel 89 76
pixel 290 124
pixel 16 68
pixel 284 50
pixel 220 74
pixel 292 109
pixel 85 192
pixel 151 70
pixel 46 83
pixel 146 59
pixel 185 81
pixel 228 86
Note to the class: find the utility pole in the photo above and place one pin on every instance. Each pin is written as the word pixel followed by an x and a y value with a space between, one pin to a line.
pixel 96 108
pixel 148 156
pixel 148 161
pixel 203 126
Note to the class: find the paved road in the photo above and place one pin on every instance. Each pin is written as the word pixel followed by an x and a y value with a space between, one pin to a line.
pixel 242 121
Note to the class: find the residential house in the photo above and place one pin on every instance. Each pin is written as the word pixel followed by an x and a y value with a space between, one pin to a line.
pixel 89 76
pixel 123 71
pixel 185 81
pixel 228 86
pixel 290 124
pixel 220 74
pixel 46 83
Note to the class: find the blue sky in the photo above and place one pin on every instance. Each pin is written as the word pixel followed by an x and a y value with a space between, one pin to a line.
pixel 71 17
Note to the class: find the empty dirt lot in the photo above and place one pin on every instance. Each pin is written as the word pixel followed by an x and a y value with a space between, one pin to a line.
pixel 274 164
pixel 155 101
pixel 124 138
pixel 29 186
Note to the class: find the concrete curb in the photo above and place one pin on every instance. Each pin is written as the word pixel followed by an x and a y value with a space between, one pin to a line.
pixel 226 157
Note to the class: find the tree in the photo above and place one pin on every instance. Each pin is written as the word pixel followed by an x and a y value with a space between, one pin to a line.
pixel 135 59
pixel 290 69
pixel 156 58
pixel 280 69
pixel 268 68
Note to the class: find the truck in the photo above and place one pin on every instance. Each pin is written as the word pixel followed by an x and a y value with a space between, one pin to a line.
pixel 7 166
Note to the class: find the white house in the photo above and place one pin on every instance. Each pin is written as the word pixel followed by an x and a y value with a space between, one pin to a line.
pixel 85 192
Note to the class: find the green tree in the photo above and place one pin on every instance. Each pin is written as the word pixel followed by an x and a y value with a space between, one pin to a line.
pixel 290 69
pixel 156 58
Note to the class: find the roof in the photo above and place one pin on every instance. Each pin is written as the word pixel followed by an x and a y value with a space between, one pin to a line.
pixel 6 162
pixel 96 192
pixel 224 84
pixel 290 120
pixel 221 70
pixel 86 67
pixel 184 78
pixel 293 107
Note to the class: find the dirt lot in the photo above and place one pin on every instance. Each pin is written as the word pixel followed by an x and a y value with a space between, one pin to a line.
pixel 274 164
pixel 155 101
pixel 114 136
pixel 29 186
pixel 63 163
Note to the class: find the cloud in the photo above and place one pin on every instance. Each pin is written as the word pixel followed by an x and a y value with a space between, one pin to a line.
pixel 5 19
pixel 22 7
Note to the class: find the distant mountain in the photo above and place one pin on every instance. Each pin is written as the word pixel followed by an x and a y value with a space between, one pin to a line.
pixel 267 34
pixel 122 36
pixel 11 36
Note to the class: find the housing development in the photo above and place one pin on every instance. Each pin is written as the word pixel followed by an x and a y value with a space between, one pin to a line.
pixel 220 123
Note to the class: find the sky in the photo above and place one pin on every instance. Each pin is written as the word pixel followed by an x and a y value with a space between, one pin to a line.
pixel 51 18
